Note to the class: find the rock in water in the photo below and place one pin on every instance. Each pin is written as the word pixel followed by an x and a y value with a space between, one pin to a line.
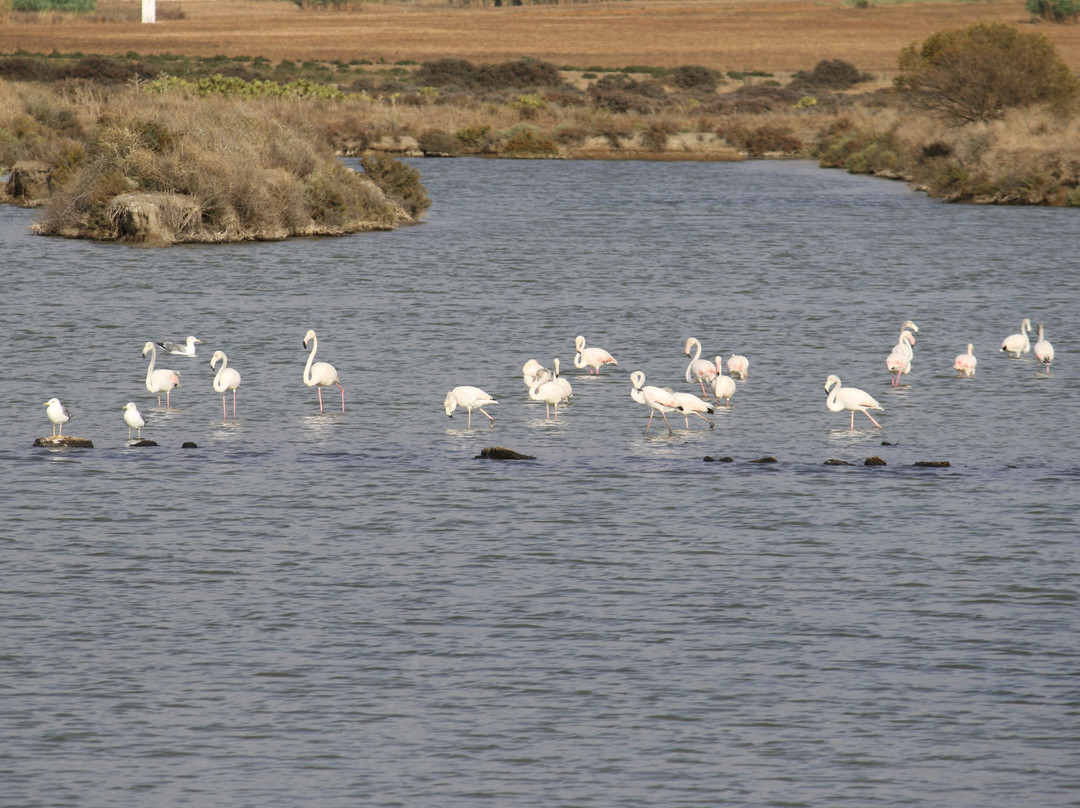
pixel 502 453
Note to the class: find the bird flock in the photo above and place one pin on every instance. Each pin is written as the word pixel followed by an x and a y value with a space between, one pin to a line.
pixel 226 380
pixel 553 390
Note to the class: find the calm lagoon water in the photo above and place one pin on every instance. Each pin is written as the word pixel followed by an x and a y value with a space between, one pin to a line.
pixel 347 609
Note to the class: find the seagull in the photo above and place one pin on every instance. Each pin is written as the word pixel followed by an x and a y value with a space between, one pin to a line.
pixel 179 348
pixel 469 398
pixel 57 414
pixel 133 418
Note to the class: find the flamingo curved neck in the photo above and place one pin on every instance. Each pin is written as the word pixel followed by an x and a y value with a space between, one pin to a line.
pixel 150 369
pixel 309 380
pixel 219 385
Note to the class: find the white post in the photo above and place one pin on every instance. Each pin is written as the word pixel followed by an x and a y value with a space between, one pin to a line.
pixel 149 12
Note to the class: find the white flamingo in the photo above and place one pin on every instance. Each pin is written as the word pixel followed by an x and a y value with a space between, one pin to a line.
pixel 134 419
pixel 562 381
pixel 850 398
pixel 550 392
pixel 1018 344
pixel 225 379
pixel 909 326
pixel 699 370
pixel 738 366
pixel 656 398
pixel 58 414
pixel 592 358
pixel 899 361
pixel 186 348
pixel 529 371
pixel 723 386
pixel 469 399
pixel 320 374
pixel 1044 351
pixel 689 404
pixel 161 380
pixel 964 364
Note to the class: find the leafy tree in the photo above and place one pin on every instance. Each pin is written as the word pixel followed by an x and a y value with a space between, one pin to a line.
pixel 977 73
pixel 1054 10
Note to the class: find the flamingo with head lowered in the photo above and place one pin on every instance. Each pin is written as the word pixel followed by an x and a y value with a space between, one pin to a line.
pixel 320 374
pixel 657 399
pixel 592 358
pixel 1018 344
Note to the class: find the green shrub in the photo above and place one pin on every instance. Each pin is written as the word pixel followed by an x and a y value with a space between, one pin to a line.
pixel 979 72
pixel 528 141
pixel 1054 10
pixel 829 74
pixel 398 181
pixel 436 142
pixel 54 5
pixel 473 138
pixel 693 77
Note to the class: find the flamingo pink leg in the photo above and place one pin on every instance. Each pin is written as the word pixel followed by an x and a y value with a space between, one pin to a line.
pixel 224 414
pixel 234 404
pixel 319 389
pixel 342 389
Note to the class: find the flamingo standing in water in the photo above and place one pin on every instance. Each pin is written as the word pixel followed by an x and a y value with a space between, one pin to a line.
pixel 320 374
pixel 469 399
pixel 591 358
pixel 656 398
pixel 738 366
pixel 1018 344
pixel 699 370
pixel 964 364
pixel 161 380
pixel 1044 351
pixel 546 389
pixel 226 378
pixel 529 371
pixel 57 414
pixel 899 361
pixel 723 386
pixel 561 381
pixel 850 398
pixel 689 404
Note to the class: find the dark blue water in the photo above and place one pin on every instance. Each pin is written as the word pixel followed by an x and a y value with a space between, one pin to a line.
pixel 346 608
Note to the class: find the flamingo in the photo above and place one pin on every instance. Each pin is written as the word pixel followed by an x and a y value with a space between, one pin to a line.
pixel 562 382
pixel 161 380
pixel 186 348
pixel 529 371
pixel 591 358
pixel 469 399
pixel 656 398
pixel 699 369
pixel 58 414
pixel 1018 344
pixel 550 392
pixel 689 404
pixel 738 366
pixel 850 398
pixel 910 326
pixel 133 418
pixel 1044 351
pixel 899 361
pixel 320 374
pixel 723 386
pixel 226 378
pixel 964 364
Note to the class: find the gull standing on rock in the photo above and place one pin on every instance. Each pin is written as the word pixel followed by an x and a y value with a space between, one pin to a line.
pixel 57 414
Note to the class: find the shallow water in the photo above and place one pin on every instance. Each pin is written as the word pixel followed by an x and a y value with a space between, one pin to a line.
pixel 342 608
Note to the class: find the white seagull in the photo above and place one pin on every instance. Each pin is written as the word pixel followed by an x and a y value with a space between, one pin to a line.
pixel 134 419
pixel 180 348
pixel 57 414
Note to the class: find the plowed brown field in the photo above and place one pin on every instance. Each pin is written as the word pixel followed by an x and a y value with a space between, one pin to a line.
pixel 774 35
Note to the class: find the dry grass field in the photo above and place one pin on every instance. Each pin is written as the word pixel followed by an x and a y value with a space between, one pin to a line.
pixel 772 35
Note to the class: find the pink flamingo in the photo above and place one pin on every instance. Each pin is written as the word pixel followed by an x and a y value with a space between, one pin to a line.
pixel 226 378
pixel 699 369
pixel 964 364
pixel 656 398
pixel 591 358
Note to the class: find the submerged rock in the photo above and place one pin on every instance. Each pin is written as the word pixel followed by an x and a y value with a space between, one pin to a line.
pixel 189 444
pixel 64 442
pixel 875 461
pixel 935 464
pixel 767 459
pixel 502 453
pixel 142 442
pixel 711 459
pixel 835 462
